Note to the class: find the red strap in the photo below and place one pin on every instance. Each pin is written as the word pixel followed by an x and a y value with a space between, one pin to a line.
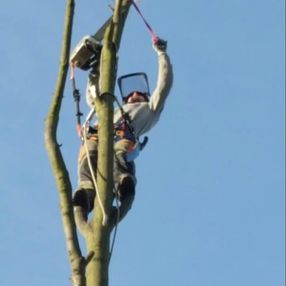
pixel 79 130
pixel 153 35
pixel 72 67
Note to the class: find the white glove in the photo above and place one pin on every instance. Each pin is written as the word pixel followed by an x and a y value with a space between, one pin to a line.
pixel 160 46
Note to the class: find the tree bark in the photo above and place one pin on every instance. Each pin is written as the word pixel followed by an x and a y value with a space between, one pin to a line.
pixel 56 159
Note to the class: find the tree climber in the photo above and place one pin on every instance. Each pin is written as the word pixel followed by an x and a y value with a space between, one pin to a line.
pixel 138 114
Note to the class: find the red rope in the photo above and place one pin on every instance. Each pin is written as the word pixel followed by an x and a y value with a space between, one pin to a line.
pixel 154 37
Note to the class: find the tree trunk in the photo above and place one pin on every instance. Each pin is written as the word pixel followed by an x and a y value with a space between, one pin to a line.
pixel 98 240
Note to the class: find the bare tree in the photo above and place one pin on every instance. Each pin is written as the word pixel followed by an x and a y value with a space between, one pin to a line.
pixel 91 270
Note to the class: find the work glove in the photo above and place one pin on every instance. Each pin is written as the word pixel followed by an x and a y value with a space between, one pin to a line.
pixel 160 46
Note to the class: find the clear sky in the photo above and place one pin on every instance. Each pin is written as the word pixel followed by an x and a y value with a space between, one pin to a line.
pixel 210 203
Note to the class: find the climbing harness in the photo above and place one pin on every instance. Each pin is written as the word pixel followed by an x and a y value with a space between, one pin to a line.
pixel 128 124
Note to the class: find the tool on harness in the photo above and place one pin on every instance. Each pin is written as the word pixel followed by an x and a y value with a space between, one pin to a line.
pixel 124 131
pixel 87 52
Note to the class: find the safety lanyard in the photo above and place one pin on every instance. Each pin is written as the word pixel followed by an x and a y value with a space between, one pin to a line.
pixel 154 37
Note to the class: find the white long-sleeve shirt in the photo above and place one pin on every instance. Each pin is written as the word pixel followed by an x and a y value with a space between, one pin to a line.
pixel 144 115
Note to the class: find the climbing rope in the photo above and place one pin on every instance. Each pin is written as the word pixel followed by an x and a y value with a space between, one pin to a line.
pixel 116 223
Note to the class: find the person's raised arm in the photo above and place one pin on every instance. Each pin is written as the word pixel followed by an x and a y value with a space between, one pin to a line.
pixel 164 79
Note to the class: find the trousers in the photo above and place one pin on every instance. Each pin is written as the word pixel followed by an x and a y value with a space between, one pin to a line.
pixel 123 173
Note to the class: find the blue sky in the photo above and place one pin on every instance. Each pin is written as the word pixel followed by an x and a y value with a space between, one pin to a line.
pixel 210 203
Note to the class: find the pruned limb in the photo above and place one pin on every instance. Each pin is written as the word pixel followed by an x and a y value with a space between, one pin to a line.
pixel 81 222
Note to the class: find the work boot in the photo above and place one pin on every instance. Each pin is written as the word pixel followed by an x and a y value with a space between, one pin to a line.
pixel 125 194
pixel 83 201
pixel 114 218
pixel 126 186
pixel 125 206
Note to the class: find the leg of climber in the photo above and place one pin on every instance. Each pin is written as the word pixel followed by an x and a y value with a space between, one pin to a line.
pixel 83 198
pixel 126 193
pixel 124 177
pixel 83 201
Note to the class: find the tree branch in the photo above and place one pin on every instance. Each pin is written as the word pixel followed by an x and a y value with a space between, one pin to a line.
pixel 81 222
pixel 56 159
